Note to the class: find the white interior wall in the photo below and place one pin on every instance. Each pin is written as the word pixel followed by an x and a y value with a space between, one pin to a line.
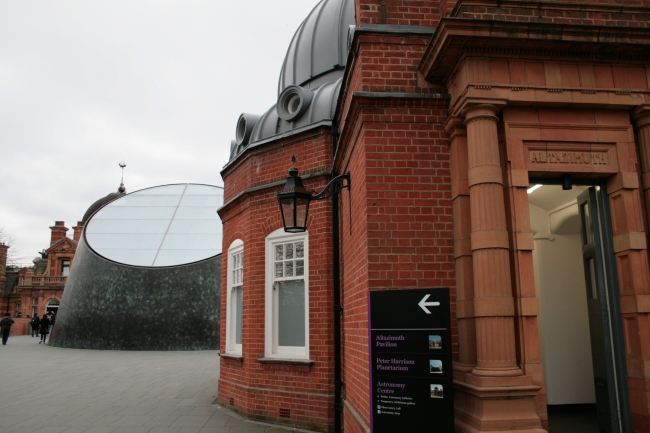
pixel 563 322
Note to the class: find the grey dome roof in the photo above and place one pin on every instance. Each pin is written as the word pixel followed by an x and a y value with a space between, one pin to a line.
pixel 100 203
pixel 318 51
pixel 310 79
pixel 322 107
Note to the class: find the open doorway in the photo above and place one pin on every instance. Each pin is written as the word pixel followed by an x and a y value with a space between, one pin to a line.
pixel 583 389
pixel 52 306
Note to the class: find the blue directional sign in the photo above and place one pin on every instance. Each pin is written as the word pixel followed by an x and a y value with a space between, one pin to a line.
pixel 411 372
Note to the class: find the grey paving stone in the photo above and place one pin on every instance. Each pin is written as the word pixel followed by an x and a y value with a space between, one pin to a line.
pixel 164 430
pixel 96 430
pixel 161 421
pixel 132 420
pixel 194 421
pixel 91 391
pixel 132 429
pixel 251 428
pixel 204 410
pixel 189 429
pixel 217 420
pixel 135 410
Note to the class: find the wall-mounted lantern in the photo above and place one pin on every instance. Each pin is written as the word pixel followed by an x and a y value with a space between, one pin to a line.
pixel 294 199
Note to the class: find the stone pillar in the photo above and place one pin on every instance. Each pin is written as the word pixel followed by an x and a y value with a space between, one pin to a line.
pixel 495 395
pixel 58 231
pixel 493 300
pixel 631 251
pixel 462 247
pixel 641 117
pixel 78 229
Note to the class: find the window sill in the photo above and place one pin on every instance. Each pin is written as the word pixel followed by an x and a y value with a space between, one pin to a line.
pixel 232 356
pixel 286 361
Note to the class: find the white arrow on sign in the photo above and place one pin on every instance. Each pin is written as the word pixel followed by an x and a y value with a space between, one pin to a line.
pixel 424 304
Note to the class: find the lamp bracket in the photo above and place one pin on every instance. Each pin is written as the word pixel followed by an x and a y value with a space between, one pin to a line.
pixel 334 187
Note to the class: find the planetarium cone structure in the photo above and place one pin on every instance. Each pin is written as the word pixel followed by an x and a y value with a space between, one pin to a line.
pixel 147 273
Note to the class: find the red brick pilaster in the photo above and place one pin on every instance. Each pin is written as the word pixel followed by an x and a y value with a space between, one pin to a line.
pixel 630 247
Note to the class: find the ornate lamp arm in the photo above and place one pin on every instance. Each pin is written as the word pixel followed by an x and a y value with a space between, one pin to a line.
pixel 333 187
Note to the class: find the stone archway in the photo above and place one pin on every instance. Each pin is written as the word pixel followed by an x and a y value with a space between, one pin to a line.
pixel 52 305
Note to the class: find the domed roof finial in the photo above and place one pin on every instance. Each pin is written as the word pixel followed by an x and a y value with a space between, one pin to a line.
pixel 122 188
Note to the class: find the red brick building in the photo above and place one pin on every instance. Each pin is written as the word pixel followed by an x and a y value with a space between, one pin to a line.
pixel 38 289
pixel 445 114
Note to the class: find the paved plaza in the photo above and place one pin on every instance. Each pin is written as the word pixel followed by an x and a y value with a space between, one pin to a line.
pixel 51 390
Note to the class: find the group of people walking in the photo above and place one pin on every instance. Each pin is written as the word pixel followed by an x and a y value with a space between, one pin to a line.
pixel 43 326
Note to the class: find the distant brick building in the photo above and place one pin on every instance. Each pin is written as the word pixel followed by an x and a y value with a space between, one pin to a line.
pixel 37 289
pixel 448 115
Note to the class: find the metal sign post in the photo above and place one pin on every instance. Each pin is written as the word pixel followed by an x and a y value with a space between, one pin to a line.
pixel 411 372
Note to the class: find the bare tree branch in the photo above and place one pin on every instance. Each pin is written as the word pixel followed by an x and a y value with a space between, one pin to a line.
pixel 13 253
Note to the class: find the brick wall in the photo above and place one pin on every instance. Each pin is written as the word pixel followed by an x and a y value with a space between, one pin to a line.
pixel 385 63
pixel 400 234
pixel 399 12
pixel 259 390
pixel 271 162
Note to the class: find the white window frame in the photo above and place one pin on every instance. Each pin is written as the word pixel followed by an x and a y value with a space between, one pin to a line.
pixel 272 349
pixel 65 267
pixel 237 247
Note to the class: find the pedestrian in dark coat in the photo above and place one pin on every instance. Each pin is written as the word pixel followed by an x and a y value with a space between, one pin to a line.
pixel 45 324
pixel 5 325
pixel 36 323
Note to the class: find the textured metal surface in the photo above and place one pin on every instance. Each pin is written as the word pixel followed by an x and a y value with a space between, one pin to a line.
pixel 318 51
pixel 315 61
pixel 100 203
pixel 322 107
pixel 110 306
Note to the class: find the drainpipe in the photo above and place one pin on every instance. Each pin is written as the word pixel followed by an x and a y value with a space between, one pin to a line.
pixel 338 384
pixel 338 309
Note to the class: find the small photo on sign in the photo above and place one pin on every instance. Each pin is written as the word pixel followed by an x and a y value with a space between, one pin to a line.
pixel 436 391
pixel 435 342
pixel 435 366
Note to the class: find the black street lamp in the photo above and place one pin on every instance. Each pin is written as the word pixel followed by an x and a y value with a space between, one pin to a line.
pixel 294 199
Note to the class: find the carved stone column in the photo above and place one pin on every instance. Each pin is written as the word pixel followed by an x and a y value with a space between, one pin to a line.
pixel 494 395
pixel 493 300
pixel 642 123
pixel 455 128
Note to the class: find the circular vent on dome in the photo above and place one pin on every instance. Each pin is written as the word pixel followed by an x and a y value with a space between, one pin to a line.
pixel 293 102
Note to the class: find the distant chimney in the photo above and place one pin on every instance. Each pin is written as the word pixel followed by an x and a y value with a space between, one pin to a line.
pixel 58 231
pixel 77 230
pixel 3 266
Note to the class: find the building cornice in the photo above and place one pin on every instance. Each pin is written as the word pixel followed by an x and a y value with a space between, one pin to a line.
pixel 252 148
pixel 249 191
pixel 457 38
pixel 556 5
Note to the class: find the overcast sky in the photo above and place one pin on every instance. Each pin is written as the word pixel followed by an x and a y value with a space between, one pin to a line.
pixel 160 84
